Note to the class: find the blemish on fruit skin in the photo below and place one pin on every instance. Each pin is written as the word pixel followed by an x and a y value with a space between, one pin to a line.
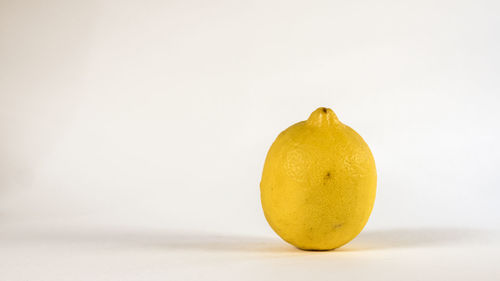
pixel 324 110
pixel 335 226
pixel 326 177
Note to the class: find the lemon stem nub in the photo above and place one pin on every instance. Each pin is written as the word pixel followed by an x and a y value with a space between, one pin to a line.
pixel 323 117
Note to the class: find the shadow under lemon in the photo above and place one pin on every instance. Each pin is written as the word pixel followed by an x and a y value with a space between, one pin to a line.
pixel 413 237
pixel 185 241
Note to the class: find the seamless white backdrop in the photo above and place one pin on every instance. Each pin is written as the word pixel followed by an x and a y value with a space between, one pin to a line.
pixel 159 114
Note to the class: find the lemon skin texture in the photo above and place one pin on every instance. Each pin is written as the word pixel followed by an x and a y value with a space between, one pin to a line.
pixel 319 182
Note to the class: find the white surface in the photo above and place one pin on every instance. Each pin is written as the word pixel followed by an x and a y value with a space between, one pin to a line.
pixel 133 135
pixel 69 252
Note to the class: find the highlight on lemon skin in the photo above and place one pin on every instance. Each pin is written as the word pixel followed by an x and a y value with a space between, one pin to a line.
pixel 318 183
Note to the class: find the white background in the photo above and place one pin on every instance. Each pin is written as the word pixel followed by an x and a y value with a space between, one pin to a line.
pixel 133 135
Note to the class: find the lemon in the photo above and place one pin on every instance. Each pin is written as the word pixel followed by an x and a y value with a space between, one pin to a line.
pixel 319 182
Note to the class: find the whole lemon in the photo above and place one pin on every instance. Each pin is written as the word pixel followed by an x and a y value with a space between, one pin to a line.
pixel 319 182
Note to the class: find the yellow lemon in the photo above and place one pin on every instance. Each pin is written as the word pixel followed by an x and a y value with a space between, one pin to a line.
pixel 318 184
